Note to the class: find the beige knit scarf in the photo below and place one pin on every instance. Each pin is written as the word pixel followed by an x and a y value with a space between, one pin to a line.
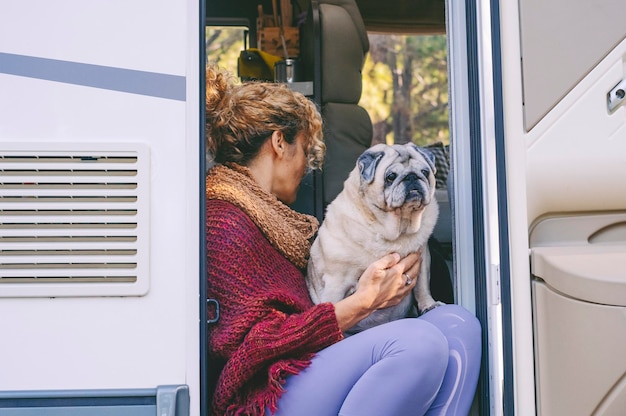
pixel 288 231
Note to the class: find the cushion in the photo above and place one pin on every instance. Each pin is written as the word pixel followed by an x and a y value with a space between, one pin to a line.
pixel 442 162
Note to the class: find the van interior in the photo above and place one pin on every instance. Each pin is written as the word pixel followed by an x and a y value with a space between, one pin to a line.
pixel 321 48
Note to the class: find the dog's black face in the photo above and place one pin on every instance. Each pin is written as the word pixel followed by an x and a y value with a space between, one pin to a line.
pixel 398 176
pixel 405 185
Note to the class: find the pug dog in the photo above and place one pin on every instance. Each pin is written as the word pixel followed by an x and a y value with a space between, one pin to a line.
pixel 387 205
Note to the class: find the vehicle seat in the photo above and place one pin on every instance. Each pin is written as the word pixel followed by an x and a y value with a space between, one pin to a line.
pixel 341 49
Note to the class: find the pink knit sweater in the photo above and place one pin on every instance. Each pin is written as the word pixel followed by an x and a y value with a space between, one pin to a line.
pixel 268 327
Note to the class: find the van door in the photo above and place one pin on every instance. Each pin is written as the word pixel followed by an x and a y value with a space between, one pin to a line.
pixel 99 207
pixel 479 188
pixel 565 141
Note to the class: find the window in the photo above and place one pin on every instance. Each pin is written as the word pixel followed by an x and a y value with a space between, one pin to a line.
pixel 224 44
pixel 405 82
pixel 405 88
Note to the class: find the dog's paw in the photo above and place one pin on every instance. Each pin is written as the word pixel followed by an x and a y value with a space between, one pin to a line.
pixel 431 307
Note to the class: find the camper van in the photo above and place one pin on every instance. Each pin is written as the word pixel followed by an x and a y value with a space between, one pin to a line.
pixel 103 306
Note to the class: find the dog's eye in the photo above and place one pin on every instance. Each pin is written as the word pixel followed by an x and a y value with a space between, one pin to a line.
pixel 390 177
pixel 425 172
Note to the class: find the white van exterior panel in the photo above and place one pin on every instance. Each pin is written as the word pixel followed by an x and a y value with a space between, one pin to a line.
pixel 110 342
pixel 141 35
pixel 108 337
pixel 42 110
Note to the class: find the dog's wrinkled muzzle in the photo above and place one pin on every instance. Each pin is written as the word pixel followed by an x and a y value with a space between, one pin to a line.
pixel 415 192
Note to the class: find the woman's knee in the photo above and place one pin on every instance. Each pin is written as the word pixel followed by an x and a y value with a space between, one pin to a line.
pixel 465 315
pixel 421 339
pixel 474 329
pixel 455 319
pixel 459 326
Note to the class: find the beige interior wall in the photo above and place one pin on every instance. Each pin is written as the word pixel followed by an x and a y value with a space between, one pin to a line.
pixel 561 42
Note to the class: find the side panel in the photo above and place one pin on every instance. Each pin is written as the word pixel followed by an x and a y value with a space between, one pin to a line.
pixel 515 155
pixel 578 148
pixel 564 159
pixel 579 297
pixel 82 76
pixel 561 43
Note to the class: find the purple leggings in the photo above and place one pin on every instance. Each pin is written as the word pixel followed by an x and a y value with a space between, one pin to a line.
pixel 414 366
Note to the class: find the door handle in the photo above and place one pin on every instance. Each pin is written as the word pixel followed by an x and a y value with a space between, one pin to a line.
pixel 616 96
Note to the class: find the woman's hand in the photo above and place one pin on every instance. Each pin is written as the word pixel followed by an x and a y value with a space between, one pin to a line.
pixel 383 284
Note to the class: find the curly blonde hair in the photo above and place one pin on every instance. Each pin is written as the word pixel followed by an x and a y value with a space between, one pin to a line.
pixel 240 118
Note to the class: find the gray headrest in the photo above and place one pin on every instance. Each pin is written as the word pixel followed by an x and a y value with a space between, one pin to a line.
pixel 344 47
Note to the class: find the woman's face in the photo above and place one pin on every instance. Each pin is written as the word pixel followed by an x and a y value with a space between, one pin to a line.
pixel 290 171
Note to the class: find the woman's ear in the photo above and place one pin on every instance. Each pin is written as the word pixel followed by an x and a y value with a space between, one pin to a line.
pixel 278 143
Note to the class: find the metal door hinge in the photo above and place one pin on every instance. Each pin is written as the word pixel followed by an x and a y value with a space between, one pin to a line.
pixel 213 305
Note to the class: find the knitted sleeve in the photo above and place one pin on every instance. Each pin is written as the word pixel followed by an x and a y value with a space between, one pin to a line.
pixel 268 327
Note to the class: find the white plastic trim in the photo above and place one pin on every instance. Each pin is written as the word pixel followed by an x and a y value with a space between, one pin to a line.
pixel 74 219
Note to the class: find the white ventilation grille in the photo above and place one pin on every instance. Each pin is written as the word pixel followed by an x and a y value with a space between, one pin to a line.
pixel 74 223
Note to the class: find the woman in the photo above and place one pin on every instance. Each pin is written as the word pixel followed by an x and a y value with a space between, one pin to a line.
pixel 280 353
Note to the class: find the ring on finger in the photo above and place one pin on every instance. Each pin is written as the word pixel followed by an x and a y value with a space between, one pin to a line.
pixel 408 279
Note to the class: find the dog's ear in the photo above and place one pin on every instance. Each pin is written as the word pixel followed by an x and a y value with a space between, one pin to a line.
pixel 367 164
pixel 428 155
